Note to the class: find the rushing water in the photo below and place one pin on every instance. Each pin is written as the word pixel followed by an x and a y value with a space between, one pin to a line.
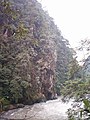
pixel 50 110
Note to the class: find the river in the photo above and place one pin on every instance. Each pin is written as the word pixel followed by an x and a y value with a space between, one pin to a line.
pixel 50 110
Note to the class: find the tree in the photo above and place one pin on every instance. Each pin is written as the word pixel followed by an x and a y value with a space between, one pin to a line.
pixel 74 68
pixel 64 57
pixel 84 48
pixel 9 33
pixel 80 88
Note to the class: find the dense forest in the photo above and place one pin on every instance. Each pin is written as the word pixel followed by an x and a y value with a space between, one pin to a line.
pixel 36 62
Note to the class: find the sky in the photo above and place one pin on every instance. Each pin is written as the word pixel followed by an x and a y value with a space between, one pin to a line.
pixel 72 17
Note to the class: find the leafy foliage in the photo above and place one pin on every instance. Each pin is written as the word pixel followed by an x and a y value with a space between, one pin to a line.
pixel 9 87
pixel 80 113
pixel 79 90
pixel 64 56
pixel 31 48
pixel 76 89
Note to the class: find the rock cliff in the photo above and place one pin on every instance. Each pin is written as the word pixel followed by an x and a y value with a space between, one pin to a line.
pixel 30 42
pixel 30 60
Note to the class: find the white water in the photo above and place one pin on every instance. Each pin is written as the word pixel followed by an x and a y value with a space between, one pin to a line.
pixel 51 110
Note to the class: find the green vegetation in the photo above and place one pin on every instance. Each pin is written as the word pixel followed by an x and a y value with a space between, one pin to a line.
pixel 79 88
pixel 36 61
pixel 32 51
pixel 9 88
pixel 75 88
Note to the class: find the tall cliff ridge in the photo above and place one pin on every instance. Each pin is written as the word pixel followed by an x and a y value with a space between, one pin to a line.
pixel 29 45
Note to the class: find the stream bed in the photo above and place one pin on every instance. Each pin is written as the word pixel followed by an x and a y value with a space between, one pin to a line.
pixel 50 110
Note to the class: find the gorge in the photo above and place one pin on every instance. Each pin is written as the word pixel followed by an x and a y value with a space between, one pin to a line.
pixel 34 59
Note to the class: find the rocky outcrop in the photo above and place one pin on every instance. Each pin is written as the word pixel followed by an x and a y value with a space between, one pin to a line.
pixel 32 61
pixel 30 44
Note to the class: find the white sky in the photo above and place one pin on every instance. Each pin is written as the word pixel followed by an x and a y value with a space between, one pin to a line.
pixel 71 16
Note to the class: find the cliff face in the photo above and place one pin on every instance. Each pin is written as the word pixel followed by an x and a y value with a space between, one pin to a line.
pixel 30 44
pixel 30 60
pixel 41 62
